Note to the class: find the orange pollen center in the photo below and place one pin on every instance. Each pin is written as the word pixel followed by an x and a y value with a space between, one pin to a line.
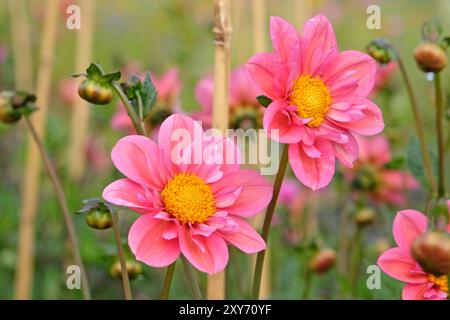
pixel 188 198
pixel 441 281
pixel 312 98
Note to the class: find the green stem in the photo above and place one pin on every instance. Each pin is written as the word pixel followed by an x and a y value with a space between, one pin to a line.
pixel 192 279
pixel 141 112
pixel 268 221
pixel 419 125
pixel 167 281
pixel 307 283
pixel 130 110
pixel 64 207
pixel 356 259
pixel 123 263
pixel 440 135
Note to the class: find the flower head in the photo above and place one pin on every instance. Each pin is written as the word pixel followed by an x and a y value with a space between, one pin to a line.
pixel 319 97
pixel 188 207
pixel 399 263
pixel 245 111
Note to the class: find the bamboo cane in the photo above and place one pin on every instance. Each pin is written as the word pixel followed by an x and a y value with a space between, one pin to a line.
pixel 222 36
pixel 81 109
pixel 25 260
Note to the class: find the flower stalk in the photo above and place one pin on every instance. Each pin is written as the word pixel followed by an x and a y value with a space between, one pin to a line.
pixel 138 126
pixel 167 281
pixel 440 135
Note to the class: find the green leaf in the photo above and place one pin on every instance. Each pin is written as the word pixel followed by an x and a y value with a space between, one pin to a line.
pixel 264 101
pixel 95 71
pixel 396 163
pixel 415 160
pixel 115 76
pixel 148 94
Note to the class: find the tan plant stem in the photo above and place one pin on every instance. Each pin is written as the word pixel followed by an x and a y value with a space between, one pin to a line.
pixel 222 38
pixel 268 221
pixel 167 281
pixel 192 279
pixel 64 207
pixel 130 110
pixel 30 192
pixel 120 253
pixel 419 126
pixel 440 135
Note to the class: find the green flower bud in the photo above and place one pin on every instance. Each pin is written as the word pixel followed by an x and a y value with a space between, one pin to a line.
pixel 96 92
pixel 378 50
pixel 134 269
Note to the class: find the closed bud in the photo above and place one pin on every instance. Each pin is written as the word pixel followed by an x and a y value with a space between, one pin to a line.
pixel 365 217
pixel 8 113
pixel 134 269
pixel 378 50
pixel 381 245
pixel 432 251
pixel 99 219
pixel 96 92
pixel 430 57
pixel 323 260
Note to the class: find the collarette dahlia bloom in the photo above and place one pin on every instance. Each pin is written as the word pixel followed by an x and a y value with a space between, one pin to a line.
pixel 168 87
pixel 399 264
pixel 319 97
pixel 188 207
pixel 370 175
pixel 245 111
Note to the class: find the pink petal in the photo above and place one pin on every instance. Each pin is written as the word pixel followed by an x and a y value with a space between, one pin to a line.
pixel 315 173
pixel 353 66
pixel 245 237
pixel 318 43
pixel 284 37
pixel 138 158
pixel 398 264
pixel 270 73
pixel 204 93
pixel 348 152
pixel 375 149
pixel 207 254
pixel 415 291
pixel 169 85
pixel 243 91
pixel 148 241
pixel 255 195
pixel 408 225
pixel 277 117
pixel 125 192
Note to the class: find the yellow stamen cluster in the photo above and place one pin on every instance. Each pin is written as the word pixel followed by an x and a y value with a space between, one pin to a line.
pixel 440 281
pixel 188 198
pixel 312 98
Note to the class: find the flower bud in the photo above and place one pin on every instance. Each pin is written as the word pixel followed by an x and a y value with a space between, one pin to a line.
pixel 134 269
pixel 8 113
pixel 381 245
pixel 430 57
pixel 378 50
pixel 365 217
pixel 432 251
pixel 323 260
pixel 99 219
pixel 95 92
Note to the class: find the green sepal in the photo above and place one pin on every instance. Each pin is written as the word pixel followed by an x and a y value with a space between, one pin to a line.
pixel 264 101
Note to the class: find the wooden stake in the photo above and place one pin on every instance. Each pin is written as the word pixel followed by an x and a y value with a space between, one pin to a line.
pixel 222 36
pixel 25 259
pixel 81 108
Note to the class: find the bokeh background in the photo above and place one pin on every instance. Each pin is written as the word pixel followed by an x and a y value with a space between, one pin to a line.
pixel 158 35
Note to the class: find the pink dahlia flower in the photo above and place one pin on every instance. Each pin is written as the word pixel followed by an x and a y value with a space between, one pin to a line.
pixel 383 76
pixel 194 208
pixel 371 175
pixel 245 111
pixel 319 98
pixel 168 87
pixel 398 263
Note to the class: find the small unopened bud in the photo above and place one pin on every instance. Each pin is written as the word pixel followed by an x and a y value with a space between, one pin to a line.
pixel 323 260
pixel 8 113
pixel 378 50
pixel 432 251
pixel 430 57
pixel 98 213
pixel 134 269
pixel 381 245
pixel 365 217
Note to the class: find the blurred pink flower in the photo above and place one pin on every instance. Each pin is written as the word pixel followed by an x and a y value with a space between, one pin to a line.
pixel 95 153
pixel 370 174
pixel 68 90
pixel 168 87
pixel 398 263
pixel 189 209
pixel 319 97
pixel 245 111
pixel 383 75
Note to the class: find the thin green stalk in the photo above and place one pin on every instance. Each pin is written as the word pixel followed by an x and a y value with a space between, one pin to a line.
pixel 167 281
pixel 440 135
pixel 130 110
pixel 307 283
pixel 192 279
pixel 123 263
pixel 356 258
pixel 59 191
pixel 268 221
pixel 419 126
pixel 141 112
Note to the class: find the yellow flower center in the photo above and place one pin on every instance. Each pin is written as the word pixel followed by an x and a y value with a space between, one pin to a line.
pixel 441 282
pixel 312 98
pixel 188 198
